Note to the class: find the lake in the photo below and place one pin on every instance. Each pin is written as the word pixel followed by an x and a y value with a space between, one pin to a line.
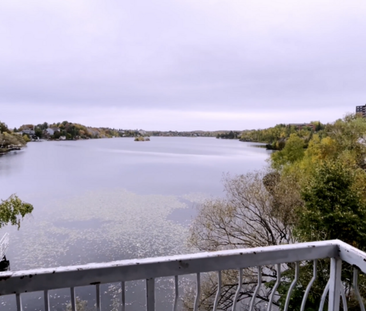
pixel 111 199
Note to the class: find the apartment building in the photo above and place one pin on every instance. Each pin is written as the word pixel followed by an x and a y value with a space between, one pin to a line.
pixel 361 110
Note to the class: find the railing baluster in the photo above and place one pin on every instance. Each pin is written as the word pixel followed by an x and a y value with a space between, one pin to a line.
pixel 19 302
pixel 335 284
pixel 46 301
pixel 198 292
pixel 240 284
pixel 98 299
pixel 344 300
pixel 356 289
pixel 306 294
pixel 292 286
pixel 259 284
pixel 123 296
pixel 73 301
pixel 324 296
pixel 218 293
pixel 278 281
pixel 176 289
pixel 150 294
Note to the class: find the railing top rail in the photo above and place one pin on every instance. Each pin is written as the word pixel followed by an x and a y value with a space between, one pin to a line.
pixel 136 269
pixel 352 255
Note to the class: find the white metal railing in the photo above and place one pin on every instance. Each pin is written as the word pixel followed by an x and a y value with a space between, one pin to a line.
pixel 4 243
pixel 17 283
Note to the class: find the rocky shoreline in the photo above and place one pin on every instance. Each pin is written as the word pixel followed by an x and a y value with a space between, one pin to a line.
pixel 10 148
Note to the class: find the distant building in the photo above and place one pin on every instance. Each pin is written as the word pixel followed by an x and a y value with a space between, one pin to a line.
pixel 28 132
pixel 50 131
pixel 361 110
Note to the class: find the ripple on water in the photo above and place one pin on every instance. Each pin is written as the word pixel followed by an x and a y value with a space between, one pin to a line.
pixel 103 226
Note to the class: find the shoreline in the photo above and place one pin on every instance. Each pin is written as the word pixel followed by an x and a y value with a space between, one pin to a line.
pixel 4 151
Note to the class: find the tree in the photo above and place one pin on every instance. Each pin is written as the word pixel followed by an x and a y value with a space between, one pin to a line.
pixel 26 138
pixel 38 132
pixel 331 177
pixel 13 210
pixel 56 135
pixel 334 208
pixel 292 152
pixel 4 128
pixel 251 215
pixel 243 219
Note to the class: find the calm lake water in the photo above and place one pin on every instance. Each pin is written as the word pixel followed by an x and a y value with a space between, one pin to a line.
pixel 112 199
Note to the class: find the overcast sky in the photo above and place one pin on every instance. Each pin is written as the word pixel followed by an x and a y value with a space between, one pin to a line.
pixel 181 64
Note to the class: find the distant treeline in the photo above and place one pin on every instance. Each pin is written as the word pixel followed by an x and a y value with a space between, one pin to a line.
pixel 183 133
pixel 72 131
pixel 275 137
pixel 229 135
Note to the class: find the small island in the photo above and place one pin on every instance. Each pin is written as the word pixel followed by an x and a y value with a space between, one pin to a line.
pixel 142 138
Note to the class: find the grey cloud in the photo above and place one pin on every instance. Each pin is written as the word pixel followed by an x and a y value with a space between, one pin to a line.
pixel 183 55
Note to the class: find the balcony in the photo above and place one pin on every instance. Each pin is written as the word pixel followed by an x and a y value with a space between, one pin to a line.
pixel 150 269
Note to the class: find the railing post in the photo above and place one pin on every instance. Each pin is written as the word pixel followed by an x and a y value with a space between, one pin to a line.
pixel 335 284
pixel 150 294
